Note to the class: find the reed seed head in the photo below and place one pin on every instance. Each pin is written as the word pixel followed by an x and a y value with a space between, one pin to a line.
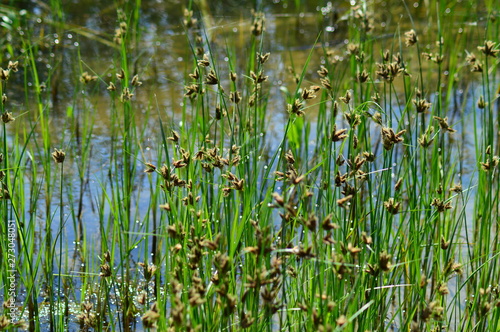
pixel 366 238
pixel 471 58
pixel 189 21
pixel 135 81
pixel 296 108
pixel 326 83
pixel 338 135
pixel 150 168
pixel 105 270
pixel 391 206
pixel 347 98
pixel 341 202
pixel 444 244
pixel 481 104
pixel 126 95
pixel 4 74
pixel 456 188
pixel 441 205
pixel 385 261
pixel 323 72
pixel 7 117
pixel 263 57
pixel 150 318
pixel 4 322
pixel 13 66
pixel 489 49
pixel 258 23
pixel 120 75
pixel 211 78
pixel 443 123
pixel 235 97
pixel 421 105
pixel 411 38
pixel 389 138
pixel 86 78
pixel 477 67
pixel 341 321
pixel 233 76
pixel 443 289
pixel 58 156
pixel 308 94
pixel 353 49
pixel 398 184
pixel 362 77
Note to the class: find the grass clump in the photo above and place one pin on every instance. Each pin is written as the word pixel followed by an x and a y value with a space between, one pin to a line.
pixel 348 186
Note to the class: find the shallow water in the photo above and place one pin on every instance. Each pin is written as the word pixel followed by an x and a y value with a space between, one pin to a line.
pixel 162 57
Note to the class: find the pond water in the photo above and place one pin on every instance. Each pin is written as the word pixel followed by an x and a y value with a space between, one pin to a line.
pixel 80 38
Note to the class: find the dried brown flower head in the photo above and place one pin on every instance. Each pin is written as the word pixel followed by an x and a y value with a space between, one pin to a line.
pixel 443 123
pixel 389 138
pixel 323 72
pixel 4 74
pixel 58 156
pixel 235 96
pixel 263 57
pixel 391 206
pixel 258 23
pixel 441 205
pixel 411 38
pixel 87 78
pixel 126 95
pixel 362 77
pixel 135 81
pixel 296 108
pixel 481 104
pixel 7 117
pixel 13 66
pixel 489 49
pixel 421 105
pixel 111 87
pixel 211 78
pixel 150 318
pixel 385 261
pixel 338 135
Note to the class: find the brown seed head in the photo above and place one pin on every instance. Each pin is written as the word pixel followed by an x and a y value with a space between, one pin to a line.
pixel 411 38
pixel 13 66
pixel 338 135
pixel 121 74
pixel 385 261
pixel 421 105
pixel 326 83
pixel 235 97
pixel 443 123
pixel 111 87
pixel 481 104
pixel 7 117
pixel 4 74
pixel 391 206
pixel 135 81
pixel 362 77
pixel 58 156
pixel 87 78
pixel 489 48
pixel 263 57
pixel 126 95
pixel 150 318
pixel 211 78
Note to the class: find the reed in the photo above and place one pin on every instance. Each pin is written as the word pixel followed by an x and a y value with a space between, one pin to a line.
pixel 349 187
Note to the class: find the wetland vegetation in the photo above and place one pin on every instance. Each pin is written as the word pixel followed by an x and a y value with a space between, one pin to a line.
pixel 250 165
